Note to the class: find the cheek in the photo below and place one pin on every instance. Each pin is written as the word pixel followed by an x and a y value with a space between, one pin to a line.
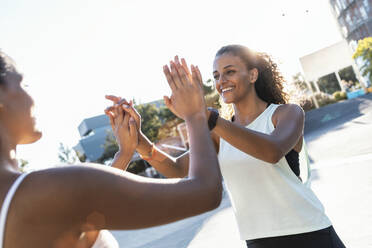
pixel 217 87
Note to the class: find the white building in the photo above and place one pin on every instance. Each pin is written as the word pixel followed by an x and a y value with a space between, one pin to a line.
pixel 329 60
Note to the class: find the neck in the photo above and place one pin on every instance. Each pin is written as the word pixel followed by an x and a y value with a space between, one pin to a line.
pixel 8 161
pixel 249 108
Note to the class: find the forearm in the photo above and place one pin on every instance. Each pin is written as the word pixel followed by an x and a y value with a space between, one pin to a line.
pixel 121 160
pixel 167 165
pixel 203 157
pixel 259 145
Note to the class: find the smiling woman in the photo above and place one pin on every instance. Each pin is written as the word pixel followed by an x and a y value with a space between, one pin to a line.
pixel 60 207
pixel 258 149
pixel 269 81
pixel 259 146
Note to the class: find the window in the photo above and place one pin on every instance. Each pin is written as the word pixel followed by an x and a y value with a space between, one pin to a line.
pixel 340 5
pixel 362 11
pixel 348 21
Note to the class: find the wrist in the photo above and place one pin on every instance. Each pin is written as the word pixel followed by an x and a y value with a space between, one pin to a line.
pixel 121 160
pixel 197 117
pixel 123 155
pixel 144 145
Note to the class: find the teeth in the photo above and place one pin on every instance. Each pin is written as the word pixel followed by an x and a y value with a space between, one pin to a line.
pixel 227 89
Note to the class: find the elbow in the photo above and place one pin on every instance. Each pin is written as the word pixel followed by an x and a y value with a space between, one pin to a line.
pixel 275 155
pixel 214 196
pixel 275 159
pixel 209 195
pixel 217 198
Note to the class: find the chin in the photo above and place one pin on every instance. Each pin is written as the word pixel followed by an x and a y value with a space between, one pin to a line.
pixel 35 136
pixel 228 100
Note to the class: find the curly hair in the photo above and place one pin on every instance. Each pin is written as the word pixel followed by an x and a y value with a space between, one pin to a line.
pixel 269 84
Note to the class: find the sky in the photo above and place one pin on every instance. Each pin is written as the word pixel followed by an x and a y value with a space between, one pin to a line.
pixel 73 52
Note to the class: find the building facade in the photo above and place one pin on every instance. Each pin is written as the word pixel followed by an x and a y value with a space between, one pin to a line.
pixel 93 132
pixel 354 18
pixel 326 62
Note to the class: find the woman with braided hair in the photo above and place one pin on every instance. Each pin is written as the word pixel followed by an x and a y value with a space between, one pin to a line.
pixel 56 207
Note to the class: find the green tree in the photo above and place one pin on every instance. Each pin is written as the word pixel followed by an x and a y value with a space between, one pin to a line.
pixel 23 165
pixel 66 155
pixel 211 95
pixel 364 51
pixel 299 82
pixel 109 149
pixel 151 122
pixel 208 87
pixel 166 115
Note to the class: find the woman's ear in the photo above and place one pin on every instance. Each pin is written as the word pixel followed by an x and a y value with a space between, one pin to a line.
pixel 253 75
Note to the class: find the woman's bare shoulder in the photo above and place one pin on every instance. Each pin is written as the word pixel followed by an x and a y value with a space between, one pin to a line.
pixel 288 110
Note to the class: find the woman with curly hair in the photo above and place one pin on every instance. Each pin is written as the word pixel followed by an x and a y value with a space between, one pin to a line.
pixel 258 150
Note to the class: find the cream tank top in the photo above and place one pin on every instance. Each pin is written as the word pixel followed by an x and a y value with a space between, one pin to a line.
pixel 268 199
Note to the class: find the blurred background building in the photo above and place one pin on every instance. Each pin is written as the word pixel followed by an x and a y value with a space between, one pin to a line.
pixel 354 18
pixel 331 70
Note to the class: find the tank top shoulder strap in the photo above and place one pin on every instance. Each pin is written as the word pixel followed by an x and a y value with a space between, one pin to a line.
pixel 6 204
pixel 271 109
pixel 265 119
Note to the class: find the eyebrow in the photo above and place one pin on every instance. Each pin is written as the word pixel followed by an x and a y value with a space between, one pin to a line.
pixel 225 67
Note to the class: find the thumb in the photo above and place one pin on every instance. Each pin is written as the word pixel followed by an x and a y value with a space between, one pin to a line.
pixel 167 102
pixel 132 127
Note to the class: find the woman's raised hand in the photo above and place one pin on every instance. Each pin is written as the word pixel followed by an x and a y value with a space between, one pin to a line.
pixel 187 94
pixel 125 130
pixel 128 107
pixel 144 144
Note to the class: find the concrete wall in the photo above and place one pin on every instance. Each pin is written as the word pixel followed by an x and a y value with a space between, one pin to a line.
pixel 326 61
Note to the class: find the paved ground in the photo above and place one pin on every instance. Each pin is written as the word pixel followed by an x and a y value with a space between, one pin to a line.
pixel 339 143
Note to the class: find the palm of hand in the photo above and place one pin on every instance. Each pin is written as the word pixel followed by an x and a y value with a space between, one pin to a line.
pixel 187 94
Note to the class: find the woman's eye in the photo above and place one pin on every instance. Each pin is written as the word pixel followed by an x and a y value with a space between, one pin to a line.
pixel 215 77
pixel 229 72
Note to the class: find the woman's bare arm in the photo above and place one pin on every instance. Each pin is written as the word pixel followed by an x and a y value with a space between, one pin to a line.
pixel 95 197
pixel 267 147
pixel 171 167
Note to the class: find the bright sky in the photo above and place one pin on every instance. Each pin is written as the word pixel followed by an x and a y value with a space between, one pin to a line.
pixel 73 52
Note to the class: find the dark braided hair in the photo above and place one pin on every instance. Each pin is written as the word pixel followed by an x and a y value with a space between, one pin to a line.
pixel 269 84
pixel 6 65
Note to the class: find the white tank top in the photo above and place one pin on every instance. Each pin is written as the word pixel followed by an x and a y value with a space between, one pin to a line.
pixel 104 238
pixel 268 199
pixel 6 204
